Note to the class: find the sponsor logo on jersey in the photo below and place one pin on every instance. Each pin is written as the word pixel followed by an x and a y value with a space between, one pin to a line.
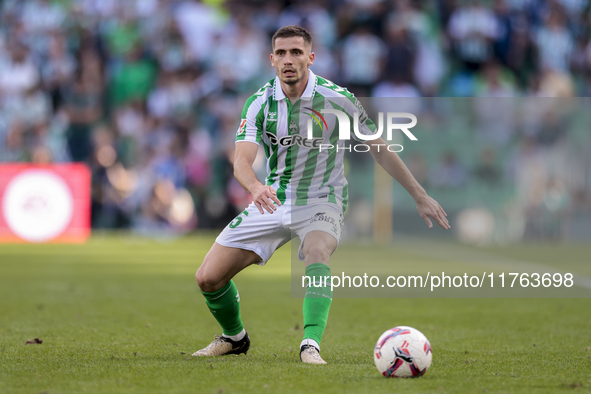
pixel 296 139
pixel 242 127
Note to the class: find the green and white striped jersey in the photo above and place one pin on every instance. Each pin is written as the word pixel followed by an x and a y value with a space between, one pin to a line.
pixel 302 174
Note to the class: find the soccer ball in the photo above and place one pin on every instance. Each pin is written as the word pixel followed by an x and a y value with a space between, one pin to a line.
pixel 402 352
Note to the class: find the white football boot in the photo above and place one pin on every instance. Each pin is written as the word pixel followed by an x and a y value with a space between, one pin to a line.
pixel 310 355
pixel 222 346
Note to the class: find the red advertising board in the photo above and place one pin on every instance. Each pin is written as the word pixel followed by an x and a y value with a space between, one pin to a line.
pixel 44 203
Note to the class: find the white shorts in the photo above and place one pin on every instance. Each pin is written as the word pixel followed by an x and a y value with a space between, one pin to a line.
pixel 264 234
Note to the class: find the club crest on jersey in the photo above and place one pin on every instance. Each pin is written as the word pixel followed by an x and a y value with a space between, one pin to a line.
pixel 296 139
pixel 242 127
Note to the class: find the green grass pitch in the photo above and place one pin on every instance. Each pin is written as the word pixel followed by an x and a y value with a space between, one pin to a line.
pixel 122 315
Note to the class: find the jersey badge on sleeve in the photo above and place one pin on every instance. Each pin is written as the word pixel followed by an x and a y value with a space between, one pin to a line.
pixel 242 127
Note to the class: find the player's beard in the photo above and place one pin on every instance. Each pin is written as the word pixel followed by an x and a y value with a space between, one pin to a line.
pixel 292 81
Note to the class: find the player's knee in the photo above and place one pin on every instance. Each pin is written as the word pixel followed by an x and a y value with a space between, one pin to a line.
pixel 318 253
pixel 205 282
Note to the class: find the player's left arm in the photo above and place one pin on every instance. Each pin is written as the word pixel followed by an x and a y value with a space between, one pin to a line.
pixel 393 164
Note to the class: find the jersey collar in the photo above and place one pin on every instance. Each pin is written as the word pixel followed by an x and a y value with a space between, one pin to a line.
pixel 308 93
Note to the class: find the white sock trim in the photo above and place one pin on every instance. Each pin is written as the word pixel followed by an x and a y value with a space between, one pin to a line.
pixel 236 337
pixel 310 342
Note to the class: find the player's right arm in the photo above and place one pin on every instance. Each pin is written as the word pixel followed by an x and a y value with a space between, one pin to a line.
pixel 248 137
pixel 262 196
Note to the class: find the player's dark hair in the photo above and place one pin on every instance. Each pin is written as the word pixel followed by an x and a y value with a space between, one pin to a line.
pixel 292 31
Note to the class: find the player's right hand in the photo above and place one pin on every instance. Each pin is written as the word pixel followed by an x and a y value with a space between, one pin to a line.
pixel 263 198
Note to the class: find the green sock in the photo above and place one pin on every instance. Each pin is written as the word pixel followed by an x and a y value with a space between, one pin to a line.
pixel 224 304
pixel 317 301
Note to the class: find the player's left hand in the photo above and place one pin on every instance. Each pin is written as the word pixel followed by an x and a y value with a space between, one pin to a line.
pixel 429 208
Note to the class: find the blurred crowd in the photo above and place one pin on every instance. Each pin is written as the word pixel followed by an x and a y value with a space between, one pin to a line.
pixel 149 92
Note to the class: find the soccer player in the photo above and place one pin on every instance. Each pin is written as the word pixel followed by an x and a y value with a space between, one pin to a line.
pixel 305 193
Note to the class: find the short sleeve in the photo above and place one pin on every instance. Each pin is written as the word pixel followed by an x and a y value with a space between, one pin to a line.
pixel 366 125
pixel 251 122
